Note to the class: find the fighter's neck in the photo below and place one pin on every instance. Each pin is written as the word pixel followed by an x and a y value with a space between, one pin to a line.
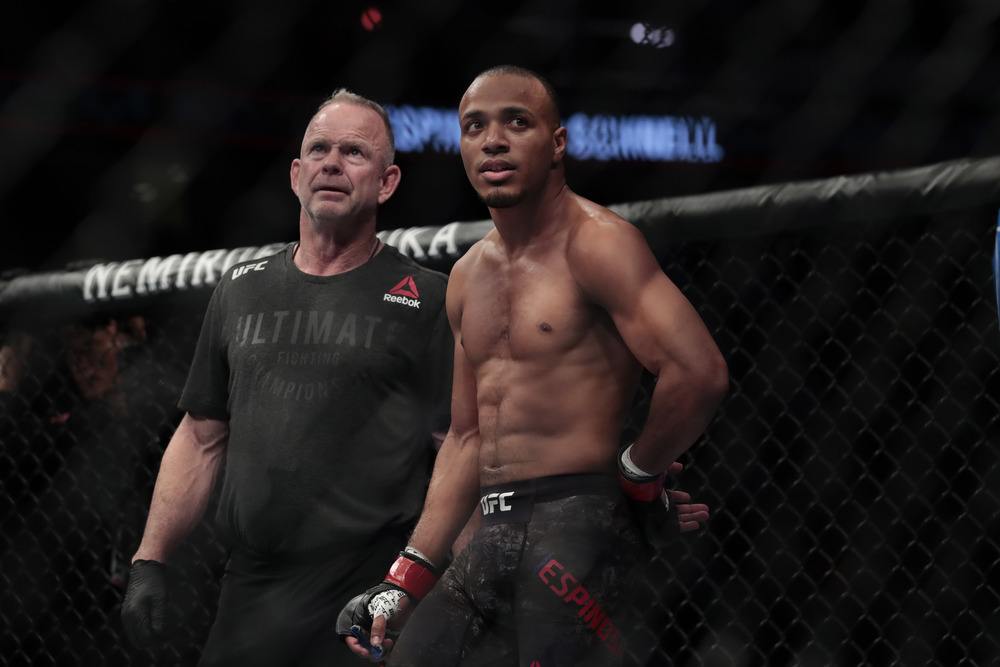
pixel 534 218
pixel 326 250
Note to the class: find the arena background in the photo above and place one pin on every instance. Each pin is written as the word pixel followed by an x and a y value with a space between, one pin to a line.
pixel 817 177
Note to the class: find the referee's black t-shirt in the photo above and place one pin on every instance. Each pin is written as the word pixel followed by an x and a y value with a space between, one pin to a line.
pixel 331 386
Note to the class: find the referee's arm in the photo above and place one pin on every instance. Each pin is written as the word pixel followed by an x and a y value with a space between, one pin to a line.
pixel 184 485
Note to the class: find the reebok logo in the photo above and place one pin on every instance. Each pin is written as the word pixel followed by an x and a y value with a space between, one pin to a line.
pixel 405 292
pixel 247 268
pixel 406 287
pixel 491 501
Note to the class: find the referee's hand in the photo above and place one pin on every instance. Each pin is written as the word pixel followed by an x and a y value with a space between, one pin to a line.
pixel 145 607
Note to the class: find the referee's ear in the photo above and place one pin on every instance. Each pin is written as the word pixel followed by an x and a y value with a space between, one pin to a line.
pixel 388 182
pixel 293 175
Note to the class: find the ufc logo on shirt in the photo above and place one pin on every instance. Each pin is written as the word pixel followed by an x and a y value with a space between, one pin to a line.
pixel 491 501
pixel 243 270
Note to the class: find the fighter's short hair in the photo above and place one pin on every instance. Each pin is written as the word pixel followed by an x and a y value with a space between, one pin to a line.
pixel 350 97
pixel 516 70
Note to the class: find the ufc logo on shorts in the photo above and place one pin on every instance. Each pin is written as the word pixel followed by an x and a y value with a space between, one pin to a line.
pixel 491 501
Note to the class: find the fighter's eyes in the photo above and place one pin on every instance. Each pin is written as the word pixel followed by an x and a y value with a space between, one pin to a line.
pixel 514 121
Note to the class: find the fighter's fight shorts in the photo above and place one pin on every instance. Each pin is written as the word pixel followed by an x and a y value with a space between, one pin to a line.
pixel 540 584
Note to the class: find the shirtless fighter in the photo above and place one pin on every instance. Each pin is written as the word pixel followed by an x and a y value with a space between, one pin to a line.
pixel 554 314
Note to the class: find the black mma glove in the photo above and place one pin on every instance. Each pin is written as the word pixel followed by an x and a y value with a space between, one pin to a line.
pixel 650 504
pixel 410 576
pixel 144 610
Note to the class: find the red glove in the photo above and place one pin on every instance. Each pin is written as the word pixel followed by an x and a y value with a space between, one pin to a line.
pixel 412 574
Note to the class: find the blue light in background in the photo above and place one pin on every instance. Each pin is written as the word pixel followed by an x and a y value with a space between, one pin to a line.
pixel 657 138
pixel 419 129
pixel 591 137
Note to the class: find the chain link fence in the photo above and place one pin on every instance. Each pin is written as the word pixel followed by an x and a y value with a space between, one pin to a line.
pixel 852 471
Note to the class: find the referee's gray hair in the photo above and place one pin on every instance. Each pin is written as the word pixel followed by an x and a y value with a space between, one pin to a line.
pixel 349 97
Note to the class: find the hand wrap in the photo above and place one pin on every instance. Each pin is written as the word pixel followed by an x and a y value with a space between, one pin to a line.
pixel 410 576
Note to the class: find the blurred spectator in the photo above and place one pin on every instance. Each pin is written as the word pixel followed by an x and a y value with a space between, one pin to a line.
pixel 93 356
pixel 78 460
pixel 14 354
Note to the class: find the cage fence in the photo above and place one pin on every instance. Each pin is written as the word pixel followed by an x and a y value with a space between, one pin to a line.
pixel 852 470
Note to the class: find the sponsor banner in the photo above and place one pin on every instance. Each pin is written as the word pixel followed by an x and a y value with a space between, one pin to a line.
pixel 139 277
pixel 784 207
pixel 111 283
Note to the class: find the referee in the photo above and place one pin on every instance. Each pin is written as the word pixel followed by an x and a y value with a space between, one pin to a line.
pixel 319 376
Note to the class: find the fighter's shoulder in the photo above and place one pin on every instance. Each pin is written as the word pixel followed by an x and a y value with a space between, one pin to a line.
pixel 473 257
pixel 599 235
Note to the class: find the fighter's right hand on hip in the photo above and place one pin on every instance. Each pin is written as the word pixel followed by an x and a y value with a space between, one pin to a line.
pixel 145 607
pixel 640 487
pixel 650 504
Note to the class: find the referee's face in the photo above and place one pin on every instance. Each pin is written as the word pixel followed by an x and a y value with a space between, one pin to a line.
pixel 340 174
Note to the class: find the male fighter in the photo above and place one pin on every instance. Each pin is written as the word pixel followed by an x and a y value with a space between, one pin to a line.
pixel 554 314
pixel 319 375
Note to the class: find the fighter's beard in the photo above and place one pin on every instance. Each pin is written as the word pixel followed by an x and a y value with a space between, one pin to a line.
pixel 501 199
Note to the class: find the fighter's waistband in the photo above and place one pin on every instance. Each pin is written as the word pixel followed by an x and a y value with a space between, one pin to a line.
pixel 513 502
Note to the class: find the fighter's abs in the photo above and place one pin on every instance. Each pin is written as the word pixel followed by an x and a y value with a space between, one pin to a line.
pixel 551 371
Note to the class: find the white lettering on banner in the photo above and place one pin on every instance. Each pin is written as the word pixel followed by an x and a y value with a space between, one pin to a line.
pixel 444 237
pixel 98 273
pixel 120 287
pixel 204 268
pixel 233 257
pixel 407 243
pixel 149 275
pixel 186 263
pixel 167 271
pixel 122 280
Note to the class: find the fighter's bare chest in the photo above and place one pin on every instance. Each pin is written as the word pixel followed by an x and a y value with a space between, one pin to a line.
pixel 521 310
